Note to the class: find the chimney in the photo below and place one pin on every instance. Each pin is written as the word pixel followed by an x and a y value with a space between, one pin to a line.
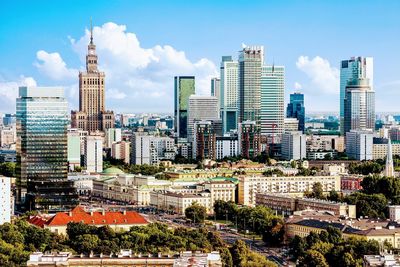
pixel 70 214
pixel 124 212
pixel 103 212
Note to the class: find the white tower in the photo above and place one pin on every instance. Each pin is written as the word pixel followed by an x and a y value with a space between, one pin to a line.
pixel 389 169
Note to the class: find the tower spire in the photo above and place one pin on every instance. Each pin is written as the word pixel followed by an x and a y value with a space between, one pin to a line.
pixel 389 168
pixel 91 31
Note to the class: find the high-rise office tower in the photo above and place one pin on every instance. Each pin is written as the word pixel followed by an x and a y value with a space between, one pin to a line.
pixel 201 108
pixel 249 139
pixel 296 109
pixel 92 115
pixel 215 87
pixel 42 165
pixel 272 112
pixel 204 141
pixel 229 93
pixel 359 106
pixel 184 86
pixel 350 69
pixel 293 145
pixel 251 60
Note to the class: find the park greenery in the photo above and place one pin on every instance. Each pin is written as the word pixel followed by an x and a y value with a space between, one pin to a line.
pixel 330 248
pixel 19 239
pixel 259 220
pixel 7 169
pixel 144 169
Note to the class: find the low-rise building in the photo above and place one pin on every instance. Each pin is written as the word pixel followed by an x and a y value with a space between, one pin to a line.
pixel 118 221
pixel 287 204
pixel 125 258
pixel 249 186
pixel 83 182
pixel 382 260
pixel 350 183
pixel 179 202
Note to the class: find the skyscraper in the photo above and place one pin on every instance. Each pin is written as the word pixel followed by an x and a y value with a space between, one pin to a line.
pixel 42 165
pixel 359 106
pixel 272 112
pixel 184 86
pixel 201 108
pixel 350 69
pixel 296 109
pixel 229 93
pixel 215 87
pixel 251 60
pixel 92 115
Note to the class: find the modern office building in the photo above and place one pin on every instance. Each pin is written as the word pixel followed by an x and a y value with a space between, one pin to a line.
pixel 251 60
pixel 359 144
pixel 93 158
pixel 249 139
pixel 291 124
pixel 272 111
pixel 296 109
pixel 92 115
pixel 229 93
pixel 5 199
pixel 201 108
pixel 150 149
pixel 42 164
pixel 215 87
pixel 9 119
pixel 355 67
pixel 184 86
pixel 113 135
pixel 359 106
pixel 204 141
pixel 74 149
pixel 294 145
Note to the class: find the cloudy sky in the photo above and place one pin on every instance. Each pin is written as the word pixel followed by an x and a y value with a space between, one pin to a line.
pixel 143 44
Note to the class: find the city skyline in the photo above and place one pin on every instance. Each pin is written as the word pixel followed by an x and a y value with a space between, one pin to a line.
pixel 141 55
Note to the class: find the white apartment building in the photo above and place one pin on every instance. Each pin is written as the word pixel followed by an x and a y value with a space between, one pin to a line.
pixel 149 149
pixel 249 186
pixel 227 146
pixel 121 150
pixel 8 136
pixel 294 145
pixel 201 108
pixel 359 144
pixel 93 157
pixel 113 135
pixel 5 199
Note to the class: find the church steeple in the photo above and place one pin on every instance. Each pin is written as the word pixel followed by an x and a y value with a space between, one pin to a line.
pixel 389 168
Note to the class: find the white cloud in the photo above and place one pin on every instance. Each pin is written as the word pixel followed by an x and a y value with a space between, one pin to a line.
pixel 324 77
pixel 54 67
pixel 141 78
pixel 9 91
pixel 297 86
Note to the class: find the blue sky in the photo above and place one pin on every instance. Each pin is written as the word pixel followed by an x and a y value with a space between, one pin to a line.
pixel 143 44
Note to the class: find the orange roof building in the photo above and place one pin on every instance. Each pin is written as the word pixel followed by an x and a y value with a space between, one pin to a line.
pixel 119 221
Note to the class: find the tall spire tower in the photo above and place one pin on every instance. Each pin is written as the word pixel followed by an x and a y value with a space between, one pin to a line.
pixel 92 115
pixel 389 169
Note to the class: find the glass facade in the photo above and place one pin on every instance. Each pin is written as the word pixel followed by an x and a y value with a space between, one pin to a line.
pixel 229 93
pixel 272 100
pixel 296 109
pixel 184 86
pixel 250 66
pixel 42 165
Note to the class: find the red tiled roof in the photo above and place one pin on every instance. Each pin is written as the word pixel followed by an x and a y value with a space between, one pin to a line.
pixel 37 220
pixel 78 214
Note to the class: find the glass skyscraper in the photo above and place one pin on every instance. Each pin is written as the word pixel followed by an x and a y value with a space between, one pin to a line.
pixel 229 93
pixel 184 86
pixel 350 69
pixel 251 60
pixel 272 112
pixel 359 106
pixel 296 109
pixel 42 167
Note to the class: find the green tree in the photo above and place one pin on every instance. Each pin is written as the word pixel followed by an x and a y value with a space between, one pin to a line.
pixel 313 258
pixel 196 213
pixel 86 243
pixel 7 169
pixel 373 206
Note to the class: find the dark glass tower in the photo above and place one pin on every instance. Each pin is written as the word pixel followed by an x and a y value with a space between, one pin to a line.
pixel 42 166
pixel 183 88
pixel 296 109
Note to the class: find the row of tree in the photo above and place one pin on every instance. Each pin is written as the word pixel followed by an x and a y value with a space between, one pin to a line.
pixel 259 220
pixel 20 239
pixel 329 248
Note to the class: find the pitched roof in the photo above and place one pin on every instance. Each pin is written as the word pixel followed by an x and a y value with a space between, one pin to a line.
pixel 78 214
pixel 37 220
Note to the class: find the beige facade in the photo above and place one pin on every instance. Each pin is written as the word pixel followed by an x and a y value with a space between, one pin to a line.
pixel 121 150
pixel 178 202
pixel 92 115
pixel 379 151
pixel 219 190
pixel 8 136
pixel 249 186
